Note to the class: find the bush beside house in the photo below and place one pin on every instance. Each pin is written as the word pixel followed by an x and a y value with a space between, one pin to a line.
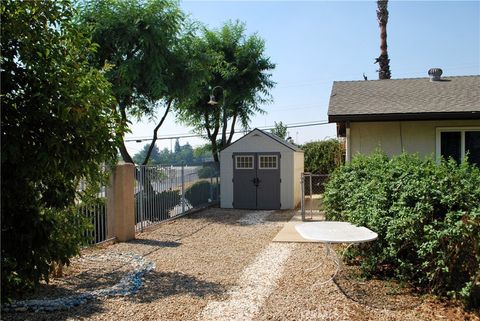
pixel 427 216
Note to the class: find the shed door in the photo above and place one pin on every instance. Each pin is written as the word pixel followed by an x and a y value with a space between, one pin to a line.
pixel 244 188
pixel 268 175
pixel 256 181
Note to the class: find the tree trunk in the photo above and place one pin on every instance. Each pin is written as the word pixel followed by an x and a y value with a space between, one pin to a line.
pixel 383 60
pixel 224 127
pixel 232 128
pixel 212 136
pixel 154 139
pixel 123 150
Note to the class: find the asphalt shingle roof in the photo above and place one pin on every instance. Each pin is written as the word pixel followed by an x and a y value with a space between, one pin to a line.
pixel 412 96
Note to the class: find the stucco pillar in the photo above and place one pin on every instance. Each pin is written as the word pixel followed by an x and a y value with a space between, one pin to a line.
pixel 121 215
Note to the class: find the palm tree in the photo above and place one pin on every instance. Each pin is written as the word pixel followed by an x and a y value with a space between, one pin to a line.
pixel 382 60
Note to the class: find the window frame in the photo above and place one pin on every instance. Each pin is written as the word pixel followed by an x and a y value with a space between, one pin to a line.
pixel 252 157
pixel 462 130
pixel 267 168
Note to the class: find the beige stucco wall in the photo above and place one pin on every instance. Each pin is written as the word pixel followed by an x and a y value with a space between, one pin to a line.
pixel 253 143
pixel 395 137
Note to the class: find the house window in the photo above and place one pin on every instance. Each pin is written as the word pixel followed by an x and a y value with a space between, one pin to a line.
pixel 244 162
pixel 268 161
pixel 459 142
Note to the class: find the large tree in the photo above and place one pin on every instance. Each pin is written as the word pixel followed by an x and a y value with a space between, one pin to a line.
pixel 237 75
pixel 145 47
pixel 58 125
pixel 383 60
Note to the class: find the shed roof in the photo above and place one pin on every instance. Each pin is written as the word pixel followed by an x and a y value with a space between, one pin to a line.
pixel 403 99
pixel 273 137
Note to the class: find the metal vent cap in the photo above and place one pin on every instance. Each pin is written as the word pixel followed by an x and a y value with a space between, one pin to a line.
pixel 435 74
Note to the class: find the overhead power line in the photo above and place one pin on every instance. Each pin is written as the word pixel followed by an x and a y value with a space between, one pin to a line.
pixel 190 135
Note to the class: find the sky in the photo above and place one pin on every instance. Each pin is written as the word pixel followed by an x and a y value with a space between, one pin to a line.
pixel 314 43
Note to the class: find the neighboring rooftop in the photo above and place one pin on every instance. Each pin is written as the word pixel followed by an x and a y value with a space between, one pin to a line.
pixel 405 99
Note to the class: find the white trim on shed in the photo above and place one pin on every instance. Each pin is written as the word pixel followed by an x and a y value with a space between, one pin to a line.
pixel 290 162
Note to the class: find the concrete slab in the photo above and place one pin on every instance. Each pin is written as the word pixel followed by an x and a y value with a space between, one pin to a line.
pixel 289 234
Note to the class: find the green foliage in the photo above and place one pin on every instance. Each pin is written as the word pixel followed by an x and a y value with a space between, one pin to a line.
pixel 427 216
pixel 145 48
pixel 322 157
pixel 95 212
pixel 202 192
pixel 280 130
pixel 57 127
pixel 160 204
pixel 184 155
pixel 238 72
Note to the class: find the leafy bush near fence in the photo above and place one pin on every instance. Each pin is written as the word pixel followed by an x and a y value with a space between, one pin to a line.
pixel 96 213
pixel 160 204
pixel 427 217
pixel 322 157
pixel 201 192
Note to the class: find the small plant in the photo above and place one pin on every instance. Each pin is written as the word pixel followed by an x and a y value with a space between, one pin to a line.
pixel 427 216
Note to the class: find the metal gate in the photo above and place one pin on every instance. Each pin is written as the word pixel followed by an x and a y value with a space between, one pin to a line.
pixel 256 181
pixel 312 186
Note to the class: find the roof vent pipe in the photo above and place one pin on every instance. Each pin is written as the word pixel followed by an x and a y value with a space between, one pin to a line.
pixel 435 73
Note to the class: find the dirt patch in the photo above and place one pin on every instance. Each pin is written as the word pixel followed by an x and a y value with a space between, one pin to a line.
pixel 302 295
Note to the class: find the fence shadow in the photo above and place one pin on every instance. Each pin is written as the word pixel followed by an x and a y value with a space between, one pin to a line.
pixel 236 216
pixel 155 243
pixel 159 285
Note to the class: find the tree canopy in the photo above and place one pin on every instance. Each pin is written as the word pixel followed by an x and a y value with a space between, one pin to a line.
pixel 58 125
pixel 280 130
pixel 144 45
pixel 237 75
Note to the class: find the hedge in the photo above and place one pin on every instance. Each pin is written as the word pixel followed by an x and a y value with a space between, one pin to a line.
pixel 427 216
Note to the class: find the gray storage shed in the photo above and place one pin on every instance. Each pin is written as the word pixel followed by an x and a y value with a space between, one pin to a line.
pixel 260 171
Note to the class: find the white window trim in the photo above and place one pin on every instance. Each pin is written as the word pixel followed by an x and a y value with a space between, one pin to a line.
pixel 462 131
pixel 240 168
pixel 260 162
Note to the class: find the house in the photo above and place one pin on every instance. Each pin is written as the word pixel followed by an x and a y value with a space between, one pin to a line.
pixel 430 116
pixel 260 171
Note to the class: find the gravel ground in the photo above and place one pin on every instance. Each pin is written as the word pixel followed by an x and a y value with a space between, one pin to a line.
pixel 224 261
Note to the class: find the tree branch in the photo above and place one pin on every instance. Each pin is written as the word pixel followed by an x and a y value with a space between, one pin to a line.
pixel 154 139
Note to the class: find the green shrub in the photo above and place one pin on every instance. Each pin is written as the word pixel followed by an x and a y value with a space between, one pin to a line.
pixel 427 216
pixel 96 213
pixel 201 192
pixel 322 157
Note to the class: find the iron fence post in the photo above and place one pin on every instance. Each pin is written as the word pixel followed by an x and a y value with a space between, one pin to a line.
pixel 183 188
pixel 302 184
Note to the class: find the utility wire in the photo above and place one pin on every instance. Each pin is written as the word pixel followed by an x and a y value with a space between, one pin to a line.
pixel 189 135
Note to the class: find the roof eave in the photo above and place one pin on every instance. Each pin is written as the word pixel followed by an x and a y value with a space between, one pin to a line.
pixel 405 116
